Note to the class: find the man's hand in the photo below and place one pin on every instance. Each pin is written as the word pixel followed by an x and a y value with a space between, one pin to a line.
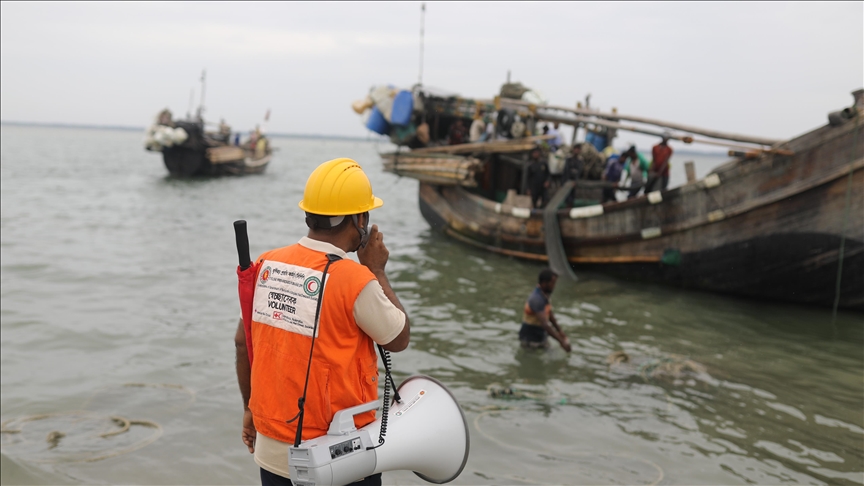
pixel 249 432
pixel 374 255
pixel 565 343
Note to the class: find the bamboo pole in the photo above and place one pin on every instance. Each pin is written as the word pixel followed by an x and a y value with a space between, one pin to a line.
pixel 574 120
pixel 638 119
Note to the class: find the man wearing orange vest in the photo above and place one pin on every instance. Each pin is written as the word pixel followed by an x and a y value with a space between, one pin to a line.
pixel 538 321
pixel 355 308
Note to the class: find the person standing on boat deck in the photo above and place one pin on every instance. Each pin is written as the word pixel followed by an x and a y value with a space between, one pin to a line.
pixel 658 173
pixel 538 178
pixel 490 127
pixel 457 132
pixel 253 138
pixel 224 131
pixel 538 321
pixel 573 170
pixel 478 128
pixel 556 142
pixel 612 174
pixel 574 164
pixel 636 167
pixel 360 309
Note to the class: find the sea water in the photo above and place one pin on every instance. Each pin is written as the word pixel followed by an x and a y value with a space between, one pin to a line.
pixel 119 303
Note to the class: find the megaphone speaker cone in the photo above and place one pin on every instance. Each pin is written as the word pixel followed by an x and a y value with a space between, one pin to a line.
pixel 427 433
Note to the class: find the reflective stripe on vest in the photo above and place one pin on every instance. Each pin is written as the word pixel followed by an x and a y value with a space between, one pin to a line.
pixel 344 370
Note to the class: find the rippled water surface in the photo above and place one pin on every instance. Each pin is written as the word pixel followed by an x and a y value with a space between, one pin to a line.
pixel 119 310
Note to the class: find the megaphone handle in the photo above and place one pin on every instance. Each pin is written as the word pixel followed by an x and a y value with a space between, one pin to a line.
pixel 242 239
pixel 343 421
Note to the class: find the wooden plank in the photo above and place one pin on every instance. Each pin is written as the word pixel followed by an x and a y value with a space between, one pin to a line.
pixel 543 258
pixel 519 145
pixel 228 153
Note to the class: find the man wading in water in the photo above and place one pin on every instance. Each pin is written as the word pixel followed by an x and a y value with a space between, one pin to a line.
pixel 360 309
pixel 538 322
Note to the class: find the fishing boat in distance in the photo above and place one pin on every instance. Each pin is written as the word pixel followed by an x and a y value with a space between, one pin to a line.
pixel 781 220
pixel 190 150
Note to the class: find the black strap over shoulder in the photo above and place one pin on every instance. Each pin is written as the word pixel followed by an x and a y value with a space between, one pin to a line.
pixel 301 402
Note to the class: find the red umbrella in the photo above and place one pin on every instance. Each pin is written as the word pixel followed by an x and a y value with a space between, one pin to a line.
pixel 246 291
pixel 247 274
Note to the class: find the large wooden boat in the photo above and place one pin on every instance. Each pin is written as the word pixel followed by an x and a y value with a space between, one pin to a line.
pixel 190 151
pixel 783 221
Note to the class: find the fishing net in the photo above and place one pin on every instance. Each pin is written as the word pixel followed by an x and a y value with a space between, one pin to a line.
pixel 671 367
pixel 594 162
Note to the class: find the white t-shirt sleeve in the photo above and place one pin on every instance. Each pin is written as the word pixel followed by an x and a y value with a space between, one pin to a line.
pixel 376 315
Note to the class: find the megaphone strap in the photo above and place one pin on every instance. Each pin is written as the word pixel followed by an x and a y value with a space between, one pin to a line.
pixel 301 402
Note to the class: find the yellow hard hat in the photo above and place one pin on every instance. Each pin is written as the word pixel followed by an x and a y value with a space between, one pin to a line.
pixel 338 187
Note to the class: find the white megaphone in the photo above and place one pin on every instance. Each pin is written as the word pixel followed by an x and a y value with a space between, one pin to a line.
pixel 426 433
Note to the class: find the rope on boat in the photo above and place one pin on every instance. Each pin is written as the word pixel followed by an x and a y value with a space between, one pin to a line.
pixel 845 220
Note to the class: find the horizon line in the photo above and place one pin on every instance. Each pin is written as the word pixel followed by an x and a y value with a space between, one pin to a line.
pixel 355 138
pixel 142 129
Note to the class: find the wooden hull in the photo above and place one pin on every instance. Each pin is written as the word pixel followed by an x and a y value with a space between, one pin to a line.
pixel 189 162
pixel 769 228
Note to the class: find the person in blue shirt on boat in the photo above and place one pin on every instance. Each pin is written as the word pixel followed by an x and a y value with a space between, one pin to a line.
pixel 538 321
pixel 612 173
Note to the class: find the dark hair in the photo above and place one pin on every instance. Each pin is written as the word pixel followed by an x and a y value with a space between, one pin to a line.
pixel 319 222
pixel 546 275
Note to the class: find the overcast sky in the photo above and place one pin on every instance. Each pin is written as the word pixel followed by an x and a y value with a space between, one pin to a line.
pixel 770 69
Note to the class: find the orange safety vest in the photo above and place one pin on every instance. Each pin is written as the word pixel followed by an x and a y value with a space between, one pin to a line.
pixel 344 370
pixel 530 317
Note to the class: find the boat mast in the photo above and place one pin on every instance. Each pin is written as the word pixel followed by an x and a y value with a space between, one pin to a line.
pixel 191 103
pixel 422 28
pixel 203 88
